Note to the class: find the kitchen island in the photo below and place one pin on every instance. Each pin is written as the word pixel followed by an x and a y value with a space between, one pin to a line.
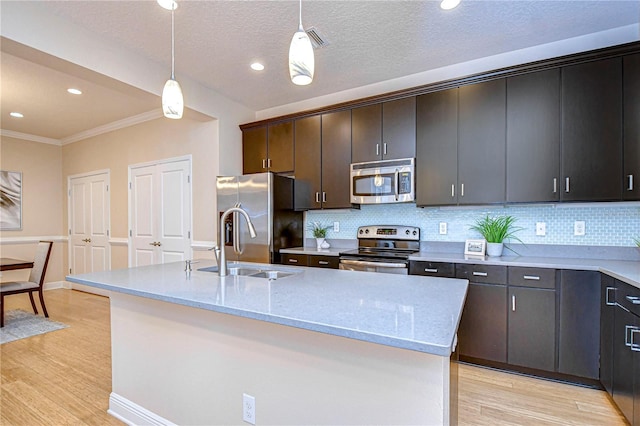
pixel 317 346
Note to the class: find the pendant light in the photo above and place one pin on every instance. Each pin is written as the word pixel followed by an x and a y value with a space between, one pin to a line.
pixel 301 61
pixel 172 100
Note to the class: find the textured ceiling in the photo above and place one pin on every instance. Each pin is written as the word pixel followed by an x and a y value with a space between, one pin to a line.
pixel 370 41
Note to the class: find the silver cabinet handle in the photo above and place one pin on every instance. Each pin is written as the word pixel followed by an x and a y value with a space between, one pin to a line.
pixel 634 299
pixel 377 149
pixel 513 303
pixel 462 190
pixel 453 190
pixel 531 277
pixel 607 296
pixel 630 187
pixel 293 260
pixel 268 163
pixel 479 274
pixel 384 148
pixel 555 185
pixel 264 163
pixel 324 197
pixel 322 262
pixel 431 270
pixel 317 197
pixel 628 334
pixel 566 184
pixel 635 346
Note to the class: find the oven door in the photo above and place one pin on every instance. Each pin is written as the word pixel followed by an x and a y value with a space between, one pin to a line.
pixel 384 266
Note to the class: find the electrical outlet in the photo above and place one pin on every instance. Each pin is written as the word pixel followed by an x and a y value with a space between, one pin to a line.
pixel 336 226
pixel 541 229
pixel 579 227
pixel 248 409
pixel 443 228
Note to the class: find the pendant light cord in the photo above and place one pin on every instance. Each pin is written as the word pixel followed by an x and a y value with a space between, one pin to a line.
pixel 300 26
pixel 173 47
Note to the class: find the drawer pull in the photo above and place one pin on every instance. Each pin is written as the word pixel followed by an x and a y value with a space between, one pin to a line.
pixel 323 262
pixel 630 187
pixel 431 270
pixel 628 334
pixel 635 346
pixel 531 277
pixel 480 274
pixel 634 299
pixel 513 303
pixel 293 260
pixel 607 297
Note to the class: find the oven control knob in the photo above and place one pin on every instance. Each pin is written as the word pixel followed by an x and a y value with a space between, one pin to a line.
pixel 361 231
pixel 407 232
pixel 366 231
pixel 415 232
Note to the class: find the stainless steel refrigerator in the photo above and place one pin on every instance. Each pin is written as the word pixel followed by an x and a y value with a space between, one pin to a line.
pixel 268 199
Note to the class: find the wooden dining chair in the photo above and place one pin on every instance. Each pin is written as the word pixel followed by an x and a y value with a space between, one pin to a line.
pixel 35 283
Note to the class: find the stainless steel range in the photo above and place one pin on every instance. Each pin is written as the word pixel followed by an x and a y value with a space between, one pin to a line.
pixel 382 249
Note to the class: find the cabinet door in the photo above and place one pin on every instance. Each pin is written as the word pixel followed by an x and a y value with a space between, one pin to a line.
pixel 592 131
pixel 336 158
pixel 483 326
pixel 399 129
pixel 607 311
pixel 366 144
pixel 631 94
pixel 533 137
pixel 623 362
pixel 532 328
pixel 254 150
pixel 280 147
pixel 579 338
pixel 482 143
pixel 308 163
pixel 437 148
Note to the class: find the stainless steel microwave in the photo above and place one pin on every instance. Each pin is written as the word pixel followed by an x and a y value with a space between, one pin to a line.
pixel 380 182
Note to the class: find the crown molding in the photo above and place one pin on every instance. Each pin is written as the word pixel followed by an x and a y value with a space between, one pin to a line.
pixel 29 137
pixel 116 125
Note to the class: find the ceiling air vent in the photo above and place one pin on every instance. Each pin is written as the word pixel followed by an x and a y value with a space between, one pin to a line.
pixel 317 40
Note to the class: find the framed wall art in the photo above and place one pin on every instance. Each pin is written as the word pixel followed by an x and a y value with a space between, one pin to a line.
pixel 10 201
pixel 475 248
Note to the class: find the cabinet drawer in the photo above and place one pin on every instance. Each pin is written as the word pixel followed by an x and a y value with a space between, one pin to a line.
pixel 628 296
pixel 295 259
pixel 319 261
pixel 432 269
pixel 491 274
pixel 532 277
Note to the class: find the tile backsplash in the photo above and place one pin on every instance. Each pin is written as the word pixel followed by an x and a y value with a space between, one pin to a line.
pixel 606 224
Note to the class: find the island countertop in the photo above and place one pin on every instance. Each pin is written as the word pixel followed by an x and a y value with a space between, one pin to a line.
pixel 409 312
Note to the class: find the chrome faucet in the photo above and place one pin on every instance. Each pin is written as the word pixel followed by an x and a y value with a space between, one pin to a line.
pixel 222 265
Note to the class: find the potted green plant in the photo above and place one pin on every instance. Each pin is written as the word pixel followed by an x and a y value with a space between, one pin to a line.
pixel 496 230
pixel 319 232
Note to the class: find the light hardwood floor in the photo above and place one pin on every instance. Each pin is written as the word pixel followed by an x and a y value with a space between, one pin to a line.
pixel 64 377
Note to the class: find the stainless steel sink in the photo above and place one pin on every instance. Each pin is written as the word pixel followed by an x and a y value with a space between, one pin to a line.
pixel 245 271
pixel 272 275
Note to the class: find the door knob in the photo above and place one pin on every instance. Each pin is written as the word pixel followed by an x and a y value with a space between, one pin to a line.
pixel 87 240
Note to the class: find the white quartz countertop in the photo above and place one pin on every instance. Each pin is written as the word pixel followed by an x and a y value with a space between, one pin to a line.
pixel 408 312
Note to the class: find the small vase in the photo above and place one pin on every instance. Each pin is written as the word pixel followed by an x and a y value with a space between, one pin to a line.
pixel 494 249
pixel 319 242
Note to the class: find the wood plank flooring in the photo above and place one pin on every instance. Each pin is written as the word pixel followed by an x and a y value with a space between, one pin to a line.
pixel 64 377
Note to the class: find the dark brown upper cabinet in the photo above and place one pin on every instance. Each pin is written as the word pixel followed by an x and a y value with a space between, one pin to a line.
pixel 592 131
pixel 336 159
pixel 268 148
pixel 384 131
pixel 308 163
pixel 482 142
pixel 631 95
pixel 437 148
pixel 533 137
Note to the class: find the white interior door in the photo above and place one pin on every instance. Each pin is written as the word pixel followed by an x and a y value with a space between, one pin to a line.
pixel 89 249
pixel 160 213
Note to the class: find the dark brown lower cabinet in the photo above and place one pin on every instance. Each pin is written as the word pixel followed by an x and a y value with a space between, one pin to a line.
pixel 623 362
pixel 314 260
pixel 483 326
pixel 532 328
pixel 607 313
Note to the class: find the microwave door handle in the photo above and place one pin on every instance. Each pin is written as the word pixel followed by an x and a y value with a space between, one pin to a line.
pixel 397 184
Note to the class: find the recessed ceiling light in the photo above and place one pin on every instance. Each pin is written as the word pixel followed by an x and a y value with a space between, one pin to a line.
pixel 168 4
pixel 449 4
pixel 257 66
pixel 16 114
pixel 74 91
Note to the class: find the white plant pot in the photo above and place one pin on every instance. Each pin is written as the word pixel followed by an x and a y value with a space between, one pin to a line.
pixel 319 242
pixel 495 249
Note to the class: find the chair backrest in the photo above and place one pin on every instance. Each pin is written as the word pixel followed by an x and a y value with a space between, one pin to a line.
pixel 40 262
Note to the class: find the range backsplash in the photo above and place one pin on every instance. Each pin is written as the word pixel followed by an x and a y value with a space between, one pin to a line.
pixel 607 224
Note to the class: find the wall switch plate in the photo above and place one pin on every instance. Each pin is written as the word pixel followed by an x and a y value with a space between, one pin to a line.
pixel 579 227
pixel 443 228
pixel 541 229
pixel 336 226
pixel 248 409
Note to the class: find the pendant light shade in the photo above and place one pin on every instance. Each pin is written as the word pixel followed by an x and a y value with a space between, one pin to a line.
pixel 172 99
pixel 301 60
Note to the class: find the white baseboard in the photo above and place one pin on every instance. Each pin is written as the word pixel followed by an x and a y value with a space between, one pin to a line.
pixel 133 414
pixel 56 284
pixel 88 289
